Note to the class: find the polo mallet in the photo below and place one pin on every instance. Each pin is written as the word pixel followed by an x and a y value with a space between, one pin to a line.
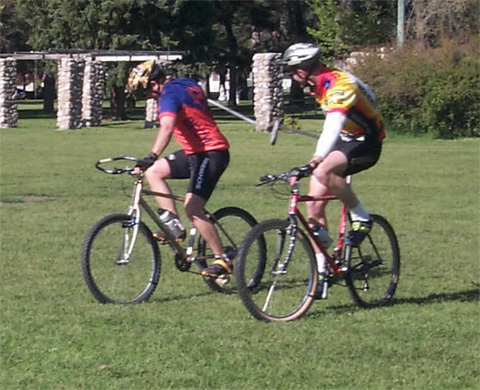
pixel 273 127
pixel 278 125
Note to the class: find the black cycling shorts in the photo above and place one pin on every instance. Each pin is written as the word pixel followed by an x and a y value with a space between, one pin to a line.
pixel 361 153
pixel 203 170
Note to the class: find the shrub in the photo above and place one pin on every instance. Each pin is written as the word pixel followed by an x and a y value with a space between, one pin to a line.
pixel 427 90
pixel 291 121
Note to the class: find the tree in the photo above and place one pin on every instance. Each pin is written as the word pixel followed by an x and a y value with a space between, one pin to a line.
pixel 214 33
pixel 235 24
pixel 98 25
pixel 220 35
pixel 345 24
pixel 429 21
pixel 13 29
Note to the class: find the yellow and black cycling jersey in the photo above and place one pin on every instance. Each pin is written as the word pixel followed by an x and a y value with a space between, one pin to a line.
pixel 340 91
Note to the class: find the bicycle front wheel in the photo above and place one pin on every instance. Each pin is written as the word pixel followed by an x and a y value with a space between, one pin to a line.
pixel 284 289
pixel 232 225
pixel 374 269
pixel 121 262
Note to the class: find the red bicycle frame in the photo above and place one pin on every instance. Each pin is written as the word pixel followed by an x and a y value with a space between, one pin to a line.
pixel 333 261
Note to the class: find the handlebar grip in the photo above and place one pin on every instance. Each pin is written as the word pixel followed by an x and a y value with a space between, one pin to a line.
pixel 298 172
pixel 115 170
pixel 301 171
pixel 265 179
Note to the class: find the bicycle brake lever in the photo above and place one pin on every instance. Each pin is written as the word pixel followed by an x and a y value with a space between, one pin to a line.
pixel 301 171
pixel 265 180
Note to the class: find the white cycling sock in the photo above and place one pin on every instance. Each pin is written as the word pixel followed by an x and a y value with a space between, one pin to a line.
pixel 320 262
pixel 223 257
pixel 358 213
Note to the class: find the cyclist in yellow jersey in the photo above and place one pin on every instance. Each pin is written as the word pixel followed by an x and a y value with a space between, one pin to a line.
pixel 351 140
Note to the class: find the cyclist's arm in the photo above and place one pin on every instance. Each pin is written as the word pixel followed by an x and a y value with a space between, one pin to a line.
pixel 167 123
pixel 334 122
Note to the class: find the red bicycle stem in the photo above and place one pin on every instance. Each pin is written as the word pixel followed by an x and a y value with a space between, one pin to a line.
pixel 296 198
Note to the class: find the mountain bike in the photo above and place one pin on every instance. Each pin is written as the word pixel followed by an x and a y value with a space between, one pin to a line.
pixel 121 260
pixel 283 286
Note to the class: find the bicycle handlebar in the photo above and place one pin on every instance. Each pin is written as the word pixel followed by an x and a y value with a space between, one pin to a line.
pixel 298 172
pixel 115 170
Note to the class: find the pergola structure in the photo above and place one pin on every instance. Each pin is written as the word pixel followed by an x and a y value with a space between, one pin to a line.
pixel 81 80
pixel 97 55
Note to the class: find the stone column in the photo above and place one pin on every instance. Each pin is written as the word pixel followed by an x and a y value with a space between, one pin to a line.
pixel 8 91
pixel 267 88
pixel 151 113
pixel 70 87
pixel 92 96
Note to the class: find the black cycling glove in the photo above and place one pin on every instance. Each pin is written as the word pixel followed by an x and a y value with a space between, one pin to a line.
pixel 301 171
pixel 147 162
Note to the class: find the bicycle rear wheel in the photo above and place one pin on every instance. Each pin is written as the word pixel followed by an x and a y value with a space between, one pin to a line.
pixel 284 289
pixel 374 266
pixel 232 224
pixel 121 262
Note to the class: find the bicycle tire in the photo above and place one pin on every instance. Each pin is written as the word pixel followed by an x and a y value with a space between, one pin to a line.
pixel 374 270
pixel 282 296
pixel 109 277
pixel 232 224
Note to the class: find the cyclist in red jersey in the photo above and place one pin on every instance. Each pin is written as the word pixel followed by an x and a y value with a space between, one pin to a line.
pixel 351 140
pixel 184 113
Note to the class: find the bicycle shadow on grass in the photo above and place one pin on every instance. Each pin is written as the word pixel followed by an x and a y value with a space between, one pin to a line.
pixel 179 298
pixel 472 295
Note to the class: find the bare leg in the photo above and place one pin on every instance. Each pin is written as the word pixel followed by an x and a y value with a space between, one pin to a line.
pixel 330 174
pixel 156 176
pixel 316 210
pixel 194 210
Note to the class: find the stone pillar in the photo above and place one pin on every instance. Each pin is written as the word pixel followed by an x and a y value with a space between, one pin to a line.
pixel 151 113
pixel 8 91
pixel 70 87
pixel 267 88
pixel 92 96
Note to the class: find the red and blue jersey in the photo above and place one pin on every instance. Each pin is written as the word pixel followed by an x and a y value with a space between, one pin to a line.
pixel 195 129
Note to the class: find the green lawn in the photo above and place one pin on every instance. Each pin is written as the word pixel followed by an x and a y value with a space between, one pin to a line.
pixel 54 335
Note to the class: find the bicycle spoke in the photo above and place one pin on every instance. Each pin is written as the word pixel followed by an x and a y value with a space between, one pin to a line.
pixel 131 274
pixel 270 295
pixel 232 224
pixel 375 266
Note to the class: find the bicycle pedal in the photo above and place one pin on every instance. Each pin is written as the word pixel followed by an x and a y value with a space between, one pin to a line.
pixel 164 241
pixel 222 280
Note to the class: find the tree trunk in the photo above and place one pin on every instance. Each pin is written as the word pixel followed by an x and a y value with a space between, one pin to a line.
pixel 232 53
pixel 207 85
pixel 232 96
pixel 296 20
pixel 48 93
pixel 117 103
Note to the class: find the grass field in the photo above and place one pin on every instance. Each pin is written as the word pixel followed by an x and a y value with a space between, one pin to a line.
pixel 54 335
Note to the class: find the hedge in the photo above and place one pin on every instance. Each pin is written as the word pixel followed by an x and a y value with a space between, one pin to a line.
pixel 427 90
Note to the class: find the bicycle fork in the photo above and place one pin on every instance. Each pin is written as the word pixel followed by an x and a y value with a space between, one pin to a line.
pixel 130 228
pixel 279 266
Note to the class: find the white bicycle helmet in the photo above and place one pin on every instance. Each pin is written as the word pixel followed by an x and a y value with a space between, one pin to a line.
pixel 300 53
